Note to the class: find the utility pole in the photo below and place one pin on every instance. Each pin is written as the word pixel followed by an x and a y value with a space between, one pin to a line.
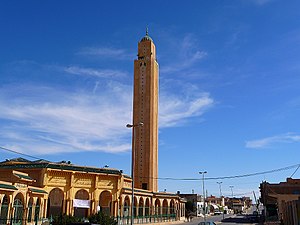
pixel 221 197
pixel 219 183
pixel 204 207
pixel 133 126
pixel 231 187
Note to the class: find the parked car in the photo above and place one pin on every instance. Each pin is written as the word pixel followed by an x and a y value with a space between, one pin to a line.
pixel 207 223
pixel 217 212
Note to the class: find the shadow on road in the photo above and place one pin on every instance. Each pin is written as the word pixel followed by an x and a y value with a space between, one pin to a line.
pixel 242 219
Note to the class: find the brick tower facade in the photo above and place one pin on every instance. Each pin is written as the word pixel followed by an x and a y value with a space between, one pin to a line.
pixel 145 110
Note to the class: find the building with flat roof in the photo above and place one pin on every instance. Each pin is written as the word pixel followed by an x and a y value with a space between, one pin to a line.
pixel 275 196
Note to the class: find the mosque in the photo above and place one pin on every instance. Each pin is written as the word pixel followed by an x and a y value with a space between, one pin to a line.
pixel 31 192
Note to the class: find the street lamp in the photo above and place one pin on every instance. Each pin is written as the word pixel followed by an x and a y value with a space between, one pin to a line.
pixel 231 190
pixel 219 183
pixel 203 172
pixel 133 126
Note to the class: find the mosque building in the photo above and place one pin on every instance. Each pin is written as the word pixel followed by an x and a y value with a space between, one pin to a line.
pixel 32 191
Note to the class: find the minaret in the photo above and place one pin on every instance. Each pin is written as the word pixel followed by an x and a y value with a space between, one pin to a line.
pixel 145 110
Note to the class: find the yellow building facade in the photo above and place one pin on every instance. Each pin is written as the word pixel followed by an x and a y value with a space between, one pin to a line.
pixel 32 191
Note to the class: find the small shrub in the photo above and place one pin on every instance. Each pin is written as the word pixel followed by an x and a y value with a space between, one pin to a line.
pixel 101 218
pixel 64 220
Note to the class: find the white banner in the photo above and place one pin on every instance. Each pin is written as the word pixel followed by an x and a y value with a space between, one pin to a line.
pixel 79 203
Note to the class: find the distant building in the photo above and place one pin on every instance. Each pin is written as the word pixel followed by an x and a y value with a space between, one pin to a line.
pixel 215 200
pixel 275 197
pixel 238 205
pixel 212 204
pixel 194 203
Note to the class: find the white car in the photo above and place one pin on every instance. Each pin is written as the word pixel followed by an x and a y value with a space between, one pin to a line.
pixel 217 213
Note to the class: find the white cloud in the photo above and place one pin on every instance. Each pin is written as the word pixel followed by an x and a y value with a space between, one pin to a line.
pixel 262 2
pixel 76 122
pixel 174 110
pixel 188 54
pixel 44 120
pixel 259 2
pixel 269 141
pixel 105 52
pixel 93 72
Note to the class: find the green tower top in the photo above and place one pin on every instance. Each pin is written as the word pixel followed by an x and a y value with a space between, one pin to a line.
pixel 146 37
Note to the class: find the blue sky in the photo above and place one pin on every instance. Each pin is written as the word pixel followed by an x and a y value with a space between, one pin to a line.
pixel 229 85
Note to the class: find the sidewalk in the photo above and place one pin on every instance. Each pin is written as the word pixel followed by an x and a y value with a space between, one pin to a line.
pixel 168 223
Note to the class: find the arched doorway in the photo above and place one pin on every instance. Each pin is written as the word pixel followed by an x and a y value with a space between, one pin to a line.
pixel 165 207
pixel 135 207
pixel 30 203
pixel 4 210
pixel 172 208
pixel 126 207
pixel 157 207
pixel 105 202
pixel 157 210
pixel 82 209
pixel 141 207
pixel 147 207
pixel 55 202
pixel 18 209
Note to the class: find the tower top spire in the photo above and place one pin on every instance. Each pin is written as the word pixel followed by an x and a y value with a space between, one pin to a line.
pixel 146 37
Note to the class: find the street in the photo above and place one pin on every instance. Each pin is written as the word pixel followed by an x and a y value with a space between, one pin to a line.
pixel 231 219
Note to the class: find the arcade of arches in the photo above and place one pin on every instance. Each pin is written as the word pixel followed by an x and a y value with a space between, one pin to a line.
pixel 40 191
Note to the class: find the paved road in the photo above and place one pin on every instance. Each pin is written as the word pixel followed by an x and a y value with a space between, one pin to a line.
pixel 231 220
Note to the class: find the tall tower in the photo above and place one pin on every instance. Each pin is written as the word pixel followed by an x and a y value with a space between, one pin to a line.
pixel 145 110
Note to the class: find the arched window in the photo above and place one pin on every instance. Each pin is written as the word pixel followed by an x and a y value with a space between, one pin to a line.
pixel 4 210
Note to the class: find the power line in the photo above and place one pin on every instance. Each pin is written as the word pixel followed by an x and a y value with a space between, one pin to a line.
pixel 295 171
pixel 254 174
pixel 229 177
pixel 20 153
pixel 191 179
